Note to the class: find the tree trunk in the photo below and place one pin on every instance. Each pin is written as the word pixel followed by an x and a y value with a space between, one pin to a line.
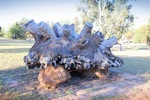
pixel 62 50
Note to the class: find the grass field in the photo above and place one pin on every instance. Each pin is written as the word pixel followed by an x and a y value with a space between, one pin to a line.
pixel 136 58
pixel 12 53
pixel 12 65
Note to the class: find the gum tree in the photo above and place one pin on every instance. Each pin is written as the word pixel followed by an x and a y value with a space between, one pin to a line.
pixel 112 17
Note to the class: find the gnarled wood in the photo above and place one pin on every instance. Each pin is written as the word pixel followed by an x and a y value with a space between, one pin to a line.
pixel 45 30
pixel 51 77
pixel 86 52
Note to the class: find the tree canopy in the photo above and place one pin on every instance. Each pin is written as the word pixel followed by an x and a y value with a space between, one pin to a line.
pixel 112 17
pixel 142 34
pixel 16 30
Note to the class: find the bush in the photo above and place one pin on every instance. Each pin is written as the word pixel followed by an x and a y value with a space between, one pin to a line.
pixel 148 40
pixel 16 32
pixel 1 34
pixel 142 34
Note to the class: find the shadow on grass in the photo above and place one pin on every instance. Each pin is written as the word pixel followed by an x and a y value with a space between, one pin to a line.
pixel 143 48
pixel 19 83
pixel 14 50
pixel 135 72
pixel 136 65
pixel 23 83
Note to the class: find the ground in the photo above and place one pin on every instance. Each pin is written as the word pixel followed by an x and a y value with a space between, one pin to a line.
pixel 128 82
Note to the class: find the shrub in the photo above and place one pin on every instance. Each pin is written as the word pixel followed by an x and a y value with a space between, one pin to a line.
pixel 16 32
pixel 148 40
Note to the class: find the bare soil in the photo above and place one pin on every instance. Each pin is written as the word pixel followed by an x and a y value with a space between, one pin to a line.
pixel 23 84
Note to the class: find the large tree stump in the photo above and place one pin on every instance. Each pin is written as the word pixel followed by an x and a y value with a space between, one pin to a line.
pixel 63 49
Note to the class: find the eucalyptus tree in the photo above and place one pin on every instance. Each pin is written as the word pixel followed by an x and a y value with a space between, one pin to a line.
pixel 112 17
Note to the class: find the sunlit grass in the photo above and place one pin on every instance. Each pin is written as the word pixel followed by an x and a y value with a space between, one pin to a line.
pixel 11 55
pixel 136 59
pixel 17 96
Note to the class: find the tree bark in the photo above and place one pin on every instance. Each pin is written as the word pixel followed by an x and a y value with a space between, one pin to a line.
pixel 87 53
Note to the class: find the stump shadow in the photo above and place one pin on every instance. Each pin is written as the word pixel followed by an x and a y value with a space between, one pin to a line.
pixel 18 82
pixel 25 81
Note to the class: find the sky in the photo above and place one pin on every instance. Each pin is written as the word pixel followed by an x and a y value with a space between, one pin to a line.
pixel 39 10
pixel 56 10
pixel 141 11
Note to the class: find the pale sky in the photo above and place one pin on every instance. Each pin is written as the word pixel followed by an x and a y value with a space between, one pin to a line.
pixel 39 10
pixel 56 10
pixel 141 10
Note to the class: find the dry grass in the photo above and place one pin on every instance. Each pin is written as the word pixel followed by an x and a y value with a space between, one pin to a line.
pixel 136 58
pixel 12 65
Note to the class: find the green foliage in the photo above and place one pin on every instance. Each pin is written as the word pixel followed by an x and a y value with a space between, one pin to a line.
pixel 137 38
pixel 77 25
pixel 16 30
pixel 1 32
pixel 142 35
pixel 112 17
pixel 148 40
pixel 129 35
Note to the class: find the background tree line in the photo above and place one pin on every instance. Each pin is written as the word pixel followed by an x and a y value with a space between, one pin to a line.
pixel 111 17
pixel 15 31
pixel 140 35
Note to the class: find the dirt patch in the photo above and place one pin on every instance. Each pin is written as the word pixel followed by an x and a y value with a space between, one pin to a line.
pixel 117 86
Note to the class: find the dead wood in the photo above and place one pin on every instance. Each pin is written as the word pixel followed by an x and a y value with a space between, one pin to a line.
pixel 62 47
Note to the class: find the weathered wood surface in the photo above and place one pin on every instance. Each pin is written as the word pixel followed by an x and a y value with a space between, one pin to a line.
pixel 50 77
pixel 63 47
